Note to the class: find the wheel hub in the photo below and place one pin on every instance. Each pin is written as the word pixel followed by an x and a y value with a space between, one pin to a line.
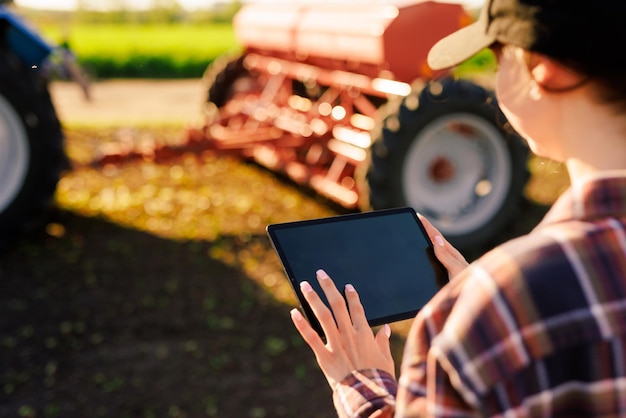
pixel 14 154
pixel 441 170
pixel 457 172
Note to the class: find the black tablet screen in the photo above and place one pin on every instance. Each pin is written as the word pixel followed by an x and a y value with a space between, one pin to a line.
pixel 385 254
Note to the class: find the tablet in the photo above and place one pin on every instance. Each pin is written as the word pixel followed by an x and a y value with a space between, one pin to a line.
pixel 386 255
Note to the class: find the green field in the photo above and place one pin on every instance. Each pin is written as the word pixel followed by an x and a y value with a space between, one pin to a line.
pixel 145 50
pixel 167 50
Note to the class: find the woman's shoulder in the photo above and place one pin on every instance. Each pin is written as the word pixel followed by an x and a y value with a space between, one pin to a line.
pixel 527 299
pixel 547 274
pixel 560 254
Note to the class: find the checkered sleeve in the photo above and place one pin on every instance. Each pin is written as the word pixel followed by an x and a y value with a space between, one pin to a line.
pixel 535 327
pixel 425 387
pixel 366 393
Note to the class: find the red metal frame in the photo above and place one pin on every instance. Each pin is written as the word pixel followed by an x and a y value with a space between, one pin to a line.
pixel 314 139
pixel 307 108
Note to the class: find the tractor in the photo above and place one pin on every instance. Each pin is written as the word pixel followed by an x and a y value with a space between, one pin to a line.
pixel 338 97
pixel 32 156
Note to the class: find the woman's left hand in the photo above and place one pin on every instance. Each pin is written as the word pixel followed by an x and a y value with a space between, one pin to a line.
pixel 449 256
pixel 350 343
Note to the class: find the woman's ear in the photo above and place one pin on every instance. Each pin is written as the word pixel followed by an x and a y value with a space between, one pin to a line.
pixel 551 75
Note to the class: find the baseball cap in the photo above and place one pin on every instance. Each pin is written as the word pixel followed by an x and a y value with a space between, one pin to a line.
pixel 582 33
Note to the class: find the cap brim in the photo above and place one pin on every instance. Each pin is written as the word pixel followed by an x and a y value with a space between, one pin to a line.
pixel 461 45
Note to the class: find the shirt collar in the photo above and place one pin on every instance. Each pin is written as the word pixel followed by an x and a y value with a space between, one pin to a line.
pixel 592 198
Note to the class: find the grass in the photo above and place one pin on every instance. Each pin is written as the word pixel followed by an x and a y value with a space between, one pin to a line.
pixel 174 50
pixel 145 50
pixel 481 63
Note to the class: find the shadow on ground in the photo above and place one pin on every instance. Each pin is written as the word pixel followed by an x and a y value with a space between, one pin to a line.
pixel 107 321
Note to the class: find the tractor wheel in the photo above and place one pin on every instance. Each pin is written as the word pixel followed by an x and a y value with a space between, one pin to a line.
pixel 220 78
pixel 449 153
pixel 31 149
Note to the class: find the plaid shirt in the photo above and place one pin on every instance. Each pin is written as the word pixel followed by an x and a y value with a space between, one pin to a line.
pixel 535 328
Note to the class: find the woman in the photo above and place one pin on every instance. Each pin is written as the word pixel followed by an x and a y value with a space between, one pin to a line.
pixel 537 326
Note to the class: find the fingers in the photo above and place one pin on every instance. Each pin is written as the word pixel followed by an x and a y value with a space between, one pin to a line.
pixel 357 313
pixel 455 253
pixel 449 256
pixel 382 340
pixel 335 300
pixel 350 343
pixel 339 318
pixel 309 335
pixel 438 240
pixel 434 234
pixel 320 310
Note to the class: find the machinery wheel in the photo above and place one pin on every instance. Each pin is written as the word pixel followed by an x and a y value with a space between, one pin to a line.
pixel 220 78
pixel 450 154
pixel 31 149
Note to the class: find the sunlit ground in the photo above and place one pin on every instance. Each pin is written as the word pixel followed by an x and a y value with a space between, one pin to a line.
pixel 547 181
pixel 190 198
pixel 168 282
pixel 210 197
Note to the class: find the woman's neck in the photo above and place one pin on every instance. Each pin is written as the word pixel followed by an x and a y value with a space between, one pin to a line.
pixel 596 142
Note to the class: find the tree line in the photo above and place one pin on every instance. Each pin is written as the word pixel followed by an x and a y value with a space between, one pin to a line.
pixel 161 11
pixel 118 11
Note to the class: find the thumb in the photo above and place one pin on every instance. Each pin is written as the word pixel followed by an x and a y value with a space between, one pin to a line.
pixel 382 340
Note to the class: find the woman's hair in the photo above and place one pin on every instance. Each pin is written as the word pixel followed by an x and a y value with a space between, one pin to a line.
pixel 609 82
pixel 611 90
pixel 584 35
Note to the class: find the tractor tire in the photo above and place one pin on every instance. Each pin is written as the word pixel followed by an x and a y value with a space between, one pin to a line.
pixel 220 77
pixel 449 153
pixel 32 156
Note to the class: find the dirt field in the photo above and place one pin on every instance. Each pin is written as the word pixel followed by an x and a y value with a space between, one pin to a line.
pixel 152 290
pixel 137 310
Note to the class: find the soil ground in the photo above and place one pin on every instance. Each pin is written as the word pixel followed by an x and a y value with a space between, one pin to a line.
pixel 152 290
pixel 130 102
pixel 137 310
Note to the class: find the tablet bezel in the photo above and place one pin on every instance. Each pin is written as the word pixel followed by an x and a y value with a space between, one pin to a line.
pixel 439 270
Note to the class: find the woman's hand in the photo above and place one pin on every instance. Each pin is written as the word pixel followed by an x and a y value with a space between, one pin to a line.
pixel 350 343
pixel 449 256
